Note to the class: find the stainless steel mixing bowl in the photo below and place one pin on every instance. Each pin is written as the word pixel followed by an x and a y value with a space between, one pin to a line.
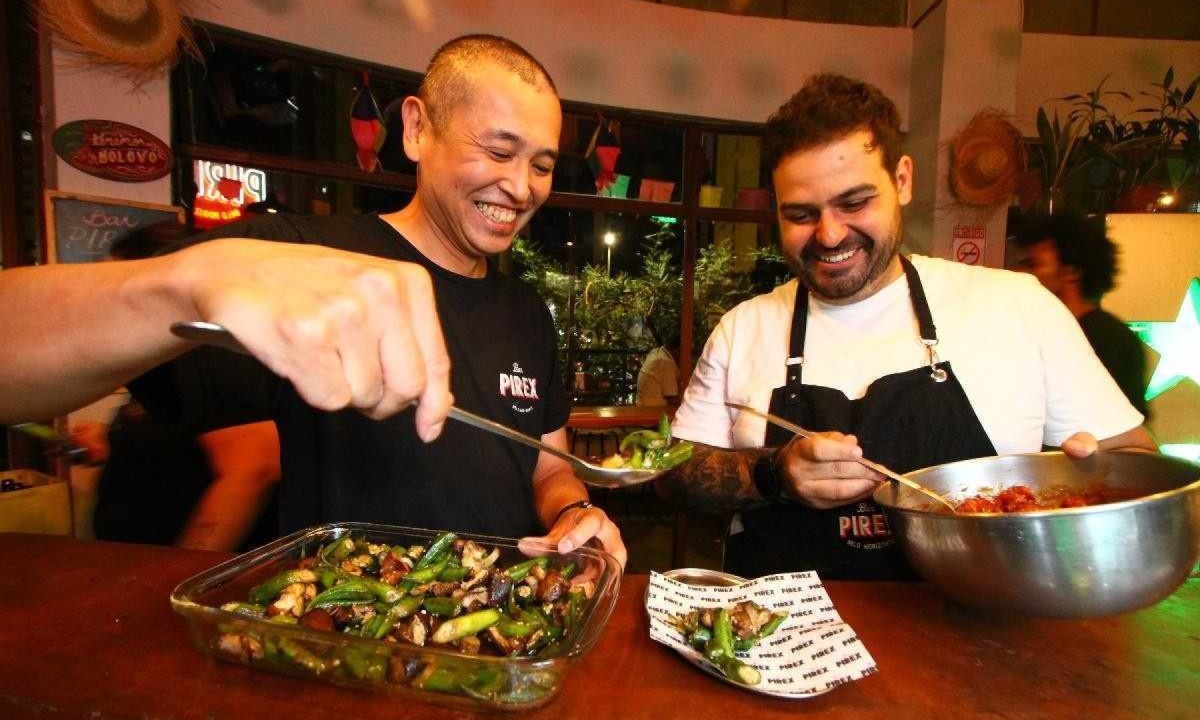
pixel 1077 562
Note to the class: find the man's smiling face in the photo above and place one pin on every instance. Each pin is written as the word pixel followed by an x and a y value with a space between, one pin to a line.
pixel 839 216
pixel 488 166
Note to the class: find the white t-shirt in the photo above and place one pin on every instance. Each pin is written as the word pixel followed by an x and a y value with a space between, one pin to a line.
pixel 1025 365
pixel 658 378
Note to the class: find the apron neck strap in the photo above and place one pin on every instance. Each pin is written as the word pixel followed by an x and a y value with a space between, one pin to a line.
pixel 916 294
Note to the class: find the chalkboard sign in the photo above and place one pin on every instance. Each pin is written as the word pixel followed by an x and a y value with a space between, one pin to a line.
pixel 82 228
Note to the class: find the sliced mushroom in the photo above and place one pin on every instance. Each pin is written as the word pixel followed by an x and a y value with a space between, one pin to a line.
pixel 552 587
pixel 499 589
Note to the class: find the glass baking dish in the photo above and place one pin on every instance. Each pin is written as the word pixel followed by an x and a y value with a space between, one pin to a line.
pixel 507 683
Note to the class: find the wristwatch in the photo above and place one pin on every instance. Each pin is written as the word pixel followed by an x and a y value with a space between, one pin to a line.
pixel 767 478
pixel 585 504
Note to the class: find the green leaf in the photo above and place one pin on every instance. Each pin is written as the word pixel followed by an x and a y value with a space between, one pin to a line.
pixel 1191 91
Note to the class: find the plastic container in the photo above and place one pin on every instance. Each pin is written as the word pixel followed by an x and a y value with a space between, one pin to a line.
pixel 42 506
pixel 507 683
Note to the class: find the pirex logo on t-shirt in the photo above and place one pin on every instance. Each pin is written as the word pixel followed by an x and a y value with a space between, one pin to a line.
pixel 517 386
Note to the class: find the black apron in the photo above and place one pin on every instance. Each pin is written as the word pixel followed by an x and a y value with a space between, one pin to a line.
pixel 905 421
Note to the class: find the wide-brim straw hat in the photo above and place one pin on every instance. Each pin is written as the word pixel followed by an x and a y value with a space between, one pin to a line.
pixel 986 161
pixel 134 37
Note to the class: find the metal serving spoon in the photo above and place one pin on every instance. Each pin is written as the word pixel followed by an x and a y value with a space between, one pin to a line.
pixel 216 335
pixel 793 427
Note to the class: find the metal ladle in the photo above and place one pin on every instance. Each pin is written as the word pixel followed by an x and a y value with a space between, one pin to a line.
pixel 882 470
pixel 216 335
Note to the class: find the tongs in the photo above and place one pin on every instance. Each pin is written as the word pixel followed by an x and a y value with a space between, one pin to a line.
pixel 216 335
pixel 882 470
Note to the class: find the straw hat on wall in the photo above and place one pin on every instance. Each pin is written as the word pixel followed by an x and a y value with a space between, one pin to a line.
pixel 986 160
pixel 132 37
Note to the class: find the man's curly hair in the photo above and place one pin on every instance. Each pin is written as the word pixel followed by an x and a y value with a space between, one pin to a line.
pixel 1081 243
pixel 826 109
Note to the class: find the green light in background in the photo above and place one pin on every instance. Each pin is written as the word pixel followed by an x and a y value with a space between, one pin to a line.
pixel 664 219
pixel 1184 451
pixel 1177 344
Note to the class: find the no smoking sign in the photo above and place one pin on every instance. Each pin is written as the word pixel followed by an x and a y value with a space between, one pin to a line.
pixel 969 243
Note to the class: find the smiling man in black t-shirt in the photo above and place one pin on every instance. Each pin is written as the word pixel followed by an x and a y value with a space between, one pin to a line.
pixel 483 130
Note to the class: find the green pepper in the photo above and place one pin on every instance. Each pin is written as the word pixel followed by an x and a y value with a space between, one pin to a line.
pixel 514 628
pixel 301 656
pixel 567 571
pixel 664 428
pixel 464 625
pixel 649 459
pixel 452 573
pixel 770 626
pixel 738 671
pixel 425 574
pixel 439 680
pixel 721 645
pixel 638 439
pixel 247 609
pixel 383 622
pixel 337 551
pixel 267 591
pixel 436 552
pixel 574 611
pixel 442 606
pixel 363 664
pixel 700 637
pixel 376 627
pixel 675 455
pixel 382 591
pixel 328 577
pixel 485 684
pixel 353 592
pixel 532 617
pixel 720 652
pixel 520 570
pixel 635 460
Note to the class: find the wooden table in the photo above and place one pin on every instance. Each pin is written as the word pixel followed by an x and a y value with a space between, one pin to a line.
pixel 86 631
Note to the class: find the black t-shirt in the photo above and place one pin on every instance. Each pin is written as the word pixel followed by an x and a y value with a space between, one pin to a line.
pixel 343 466
pixel 1121 353
pixel 157 470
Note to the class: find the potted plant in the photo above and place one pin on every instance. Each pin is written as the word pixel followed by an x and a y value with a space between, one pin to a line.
pixel 1125 163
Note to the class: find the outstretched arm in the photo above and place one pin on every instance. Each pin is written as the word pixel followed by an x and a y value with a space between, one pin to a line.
pixel 347 330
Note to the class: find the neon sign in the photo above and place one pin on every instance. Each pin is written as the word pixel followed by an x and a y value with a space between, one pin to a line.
pixel 222 189
pixel 1178 346
pixel 1177 343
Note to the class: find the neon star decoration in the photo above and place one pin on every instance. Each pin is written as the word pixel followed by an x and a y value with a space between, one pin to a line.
pixel 1177 344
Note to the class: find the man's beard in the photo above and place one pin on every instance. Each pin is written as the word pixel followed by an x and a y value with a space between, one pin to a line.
pixel 844 285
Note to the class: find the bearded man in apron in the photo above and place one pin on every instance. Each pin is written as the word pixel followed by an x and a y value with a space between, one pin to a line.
pixel 908 361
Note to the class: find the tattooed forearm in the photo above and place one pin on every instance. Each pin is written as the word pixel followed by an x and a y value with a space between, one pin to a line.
pixel 715 479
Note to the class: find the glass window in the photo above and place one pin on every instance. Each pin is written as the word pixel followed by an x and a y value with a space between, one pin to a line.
pixel 257 98
pixel 732 174
pixel 735 262
pixel 613 283
pixel 610 157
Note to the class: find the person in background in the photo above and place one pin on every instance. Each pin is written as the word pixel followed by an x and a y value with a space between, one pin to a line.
pixel 658 377
pixel 483 131
pixel 162 483
pixel 908 361
pixel 1073 258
